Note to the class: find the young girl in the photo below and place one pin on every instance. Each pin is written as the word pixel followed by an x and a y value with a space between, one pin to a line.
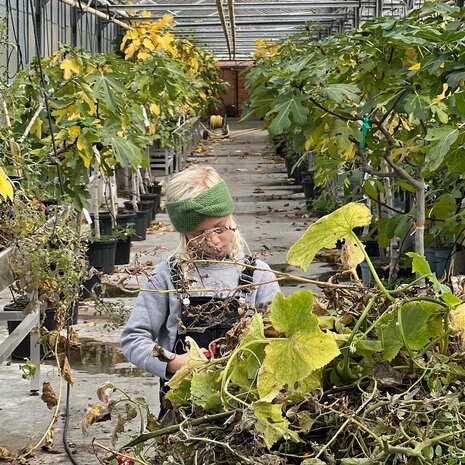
pixel 200 208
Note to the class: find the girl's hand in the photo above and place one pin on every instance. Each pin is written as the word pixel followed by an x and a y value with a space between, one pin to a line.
pixel 175 364
pixel 178 361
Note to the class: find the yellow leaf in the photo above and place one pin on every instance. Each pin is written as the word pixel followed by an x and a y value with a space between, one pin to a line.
pixel 130 50
pixel 152 129
pixel 87 161
pixel 73 133
pixel 415 67
pixel 142 55
pixel 195 359
pixel 69 67
pixel 6 187
pixel 90 103
pixel 457 320
pixel 309 143
pixel 203 95
pixel 155 109
pixel 165 42
pixel 349 153
pixel 442 65
pixel 146 14
pixel 442 95
pixel 148 44
pixel 37 128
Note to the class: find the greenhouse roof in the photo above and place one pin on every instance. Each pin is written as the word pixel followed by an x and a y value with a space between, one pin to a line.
pixel 230 28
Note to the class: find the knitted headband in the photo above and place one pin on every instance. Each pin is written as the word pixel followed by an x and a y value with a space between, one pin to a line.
pixel 185 215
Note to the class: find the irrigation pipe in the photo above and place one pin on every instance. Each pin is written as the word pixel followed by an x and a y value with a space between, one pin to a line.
pixel 93 11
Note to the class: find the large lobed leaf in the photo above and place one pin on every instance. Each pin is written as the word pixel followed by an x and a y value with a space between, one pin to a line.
pixel 305 349
pixel 325 232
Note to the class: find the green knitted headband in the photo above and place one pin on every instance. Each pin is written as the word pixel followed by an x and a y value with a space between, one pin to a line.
pixel 185 215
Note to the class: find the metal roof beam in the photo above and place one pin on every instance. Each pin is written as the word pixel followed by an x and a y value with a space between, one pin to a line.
pixel 244 6
pixel 318 18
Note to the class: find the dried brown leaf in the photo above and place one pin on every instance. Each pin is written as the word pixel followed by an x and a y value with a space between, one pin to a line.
pixel 5 454
pixel 95 414
pixel 48 395
pixel 103 392
pixel 48 440
pixel 66 372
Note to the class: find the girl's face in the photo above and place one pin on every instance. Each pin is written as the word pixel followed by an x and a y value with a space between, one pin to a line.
pixel 213 237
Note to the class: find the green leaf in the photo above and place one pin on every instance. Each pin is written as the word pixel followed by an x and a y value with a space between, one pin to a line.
pixel 442 139
pixel 325 232
pixel 127 153
pixel 453 79
pixel 419 264
pixel 181 394
pixel 339 92
pixel 415 317
pixel 291 107
pixel 306 348
pixel 244 372
pixel 205 390
pixel 271 423
pixel 417 106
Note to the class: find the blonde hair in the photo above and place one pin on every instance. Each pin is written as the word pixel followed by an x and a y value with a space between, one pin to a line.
pixel 189 184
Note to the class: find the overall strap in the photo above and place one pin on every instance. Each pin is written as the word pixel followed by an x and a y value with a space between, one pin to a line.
pixel 246 277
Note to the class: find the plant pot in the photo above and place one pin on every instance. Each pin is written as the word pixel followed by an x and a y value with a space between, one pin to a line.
pixel 154 189
pixel 141 225
pixel 23 350
pixel 123 252
pixel 126 218
pixel 142 205
pixel 155 198
pixel 91 286
pixel 104 219
pixel 101 255
pixel 372 248
pixel 431 258
pixel 442 257
pixel 309 188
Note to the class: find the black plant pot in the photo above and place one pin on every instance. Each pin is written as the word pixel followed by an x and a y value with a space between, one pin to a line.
pixel 101 255
pixel 142 205
pixel 123 252
pixel 309 188
pixel 104 219
pixel 91 286
pixel 154 189
pixel 155 198
pixel 126 218
pixel 141 225
pixel 23 350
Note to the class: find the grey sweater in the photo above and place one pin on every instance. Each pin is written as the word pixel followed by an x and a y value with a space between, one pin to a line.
pixel 155 315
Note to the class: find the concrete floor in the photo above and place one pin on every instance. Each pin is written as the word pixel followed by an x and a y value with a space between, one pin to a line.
pixel 271 215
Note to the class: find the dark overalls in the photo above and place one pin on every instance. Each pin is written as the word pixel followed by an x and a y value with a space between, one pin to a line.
pixel 206 319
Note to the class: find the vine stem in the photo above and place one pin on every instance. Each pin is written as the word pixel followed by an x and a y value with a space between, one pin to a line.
pixel 372 269
pixel 226 378
pixel 175 428
pixel 354 331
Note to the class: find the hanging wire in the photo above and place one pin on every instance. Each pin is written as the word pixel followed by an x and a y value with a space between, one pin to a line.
pixel 11 19
pixel 46 102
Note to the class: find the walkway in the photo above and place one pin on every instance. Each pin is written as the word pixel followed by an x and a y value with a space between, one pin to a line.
pixel 271 215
